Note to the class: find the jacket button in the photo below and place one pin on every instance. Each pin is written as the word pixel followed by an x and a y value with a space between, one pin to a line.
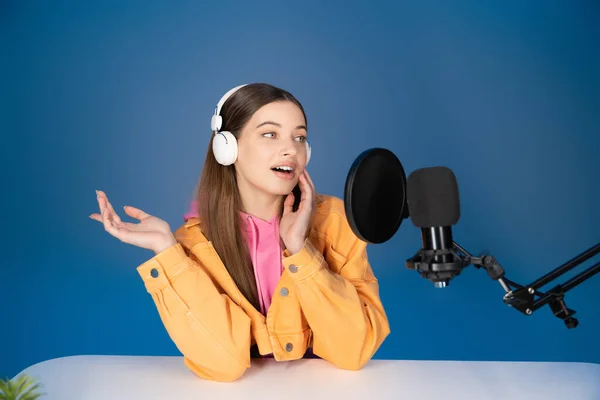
pixel 154 272
pixel 284 292
pixel 289 347
pixel 293 268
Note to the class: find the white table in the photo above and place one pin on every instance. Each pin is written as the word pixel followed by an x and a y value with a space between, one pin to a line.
pixel 149 378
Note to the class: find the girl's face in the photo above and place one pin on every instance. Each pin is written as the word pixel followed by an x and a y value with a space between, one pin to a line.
pixel 272 149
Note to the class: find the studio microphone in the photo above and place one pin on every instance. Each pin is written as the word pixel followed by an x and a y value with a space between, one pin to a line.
pixel 434 206
pixel 378 197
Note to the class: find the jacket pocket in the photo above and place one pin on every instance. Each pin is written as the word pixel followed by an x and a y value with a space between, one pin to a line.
pixel 335 260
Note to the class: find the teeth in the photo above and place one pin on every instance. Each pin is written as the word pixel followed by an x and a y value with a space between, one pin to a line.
pixel 284 168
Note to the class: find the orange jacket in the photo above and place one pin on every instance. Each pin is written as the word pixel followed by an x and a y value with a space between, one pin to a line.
pixel 327 298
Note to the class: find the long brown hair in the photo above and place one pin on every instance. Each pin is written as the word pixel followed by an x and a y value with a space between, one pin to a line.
pixel 217 194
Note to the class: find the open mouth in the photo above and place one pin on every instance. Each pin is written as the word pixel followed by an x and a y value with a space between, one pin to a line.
pixel 282 169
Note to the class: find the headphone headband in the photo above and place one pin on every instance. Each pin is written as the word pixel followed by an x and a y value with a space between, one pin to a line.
pixel 217 120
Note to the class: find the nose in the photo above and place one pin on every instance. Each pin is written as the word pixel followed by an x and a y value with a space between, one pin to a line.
pixel 289 148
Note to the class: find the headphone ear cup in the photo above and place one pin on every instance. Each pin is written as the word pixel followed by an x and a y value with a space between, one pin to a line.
pixel 307 152
pixel 225 148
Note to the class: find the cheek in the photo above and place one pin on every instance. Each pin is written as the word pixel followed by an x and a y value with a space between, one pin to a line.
pixel 257 157
pixel 254 156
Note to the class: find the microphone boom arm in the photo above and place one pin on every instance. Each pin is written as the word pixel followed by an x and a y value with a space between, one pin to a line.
pixel 522 297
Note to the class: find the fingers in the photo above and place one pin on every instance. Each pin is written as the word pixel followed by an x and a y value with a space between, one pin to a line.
pixel 96 217
pixel 307 190
pixel 111 219
pixel 308 178
pixel 120 233
pixel 108 217
pixel 121 230
pixel 310 182
pixel 136 213
pixel 288 204
pixel 108 225
pixel 312 186
pixel 303 184
pixel 104 203
pixel 131 233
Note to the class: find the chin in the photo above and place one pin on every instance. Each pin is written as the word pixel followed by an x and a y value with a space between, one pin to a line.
pixel 282 188
pixel 283 191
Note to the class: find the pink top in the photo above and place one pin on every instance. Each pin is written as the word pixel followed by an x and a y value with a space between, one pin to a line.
pixel 265 247
pixel 266 251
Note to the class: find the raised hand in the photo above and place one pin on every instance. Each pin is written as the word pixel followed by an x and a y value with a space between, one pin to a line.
pixel 294 226
pixel 150 233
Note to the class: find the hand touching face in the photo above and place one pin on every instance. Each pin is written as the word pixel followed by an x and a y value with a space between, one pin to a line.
pixel 294 226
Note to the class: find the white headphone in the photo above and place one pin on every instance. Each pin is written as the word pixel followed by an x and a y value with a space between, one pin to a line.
pixel 224 144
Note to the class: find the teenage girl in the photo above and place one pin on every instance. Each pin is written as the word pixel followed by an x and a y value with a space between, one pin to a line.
pixel 263 265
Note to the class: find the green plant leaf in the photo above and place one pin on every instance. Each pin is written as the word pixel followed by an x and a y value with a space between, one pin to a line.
pixel 4 388
pixel 20 388
pixel 28 393
pixel 22 383
pixel 8 390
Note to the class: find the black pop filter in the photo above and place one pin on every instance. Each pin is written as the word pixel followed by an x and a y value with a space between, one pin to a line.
pixel 375 195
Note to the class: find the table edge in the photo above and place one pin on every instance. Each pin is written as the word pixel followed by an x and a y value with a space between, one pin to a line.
pixel 593 365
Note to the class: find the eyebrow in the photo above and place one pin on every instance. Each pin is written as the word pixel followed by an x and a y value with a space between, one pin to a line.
pixel 278 125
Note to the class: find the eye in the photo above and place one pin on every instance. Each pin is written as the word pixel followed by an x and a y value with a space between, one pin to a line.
pixel 269 133
pixel 302 138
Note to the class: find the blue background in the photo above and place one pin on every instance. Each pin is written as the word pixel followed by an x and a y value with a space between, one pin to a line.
pixel 118 97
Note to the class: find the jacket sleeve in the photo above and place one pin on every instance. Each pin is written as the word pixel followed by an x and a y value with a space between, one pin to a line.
pixel 209 329
pixel 340 300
